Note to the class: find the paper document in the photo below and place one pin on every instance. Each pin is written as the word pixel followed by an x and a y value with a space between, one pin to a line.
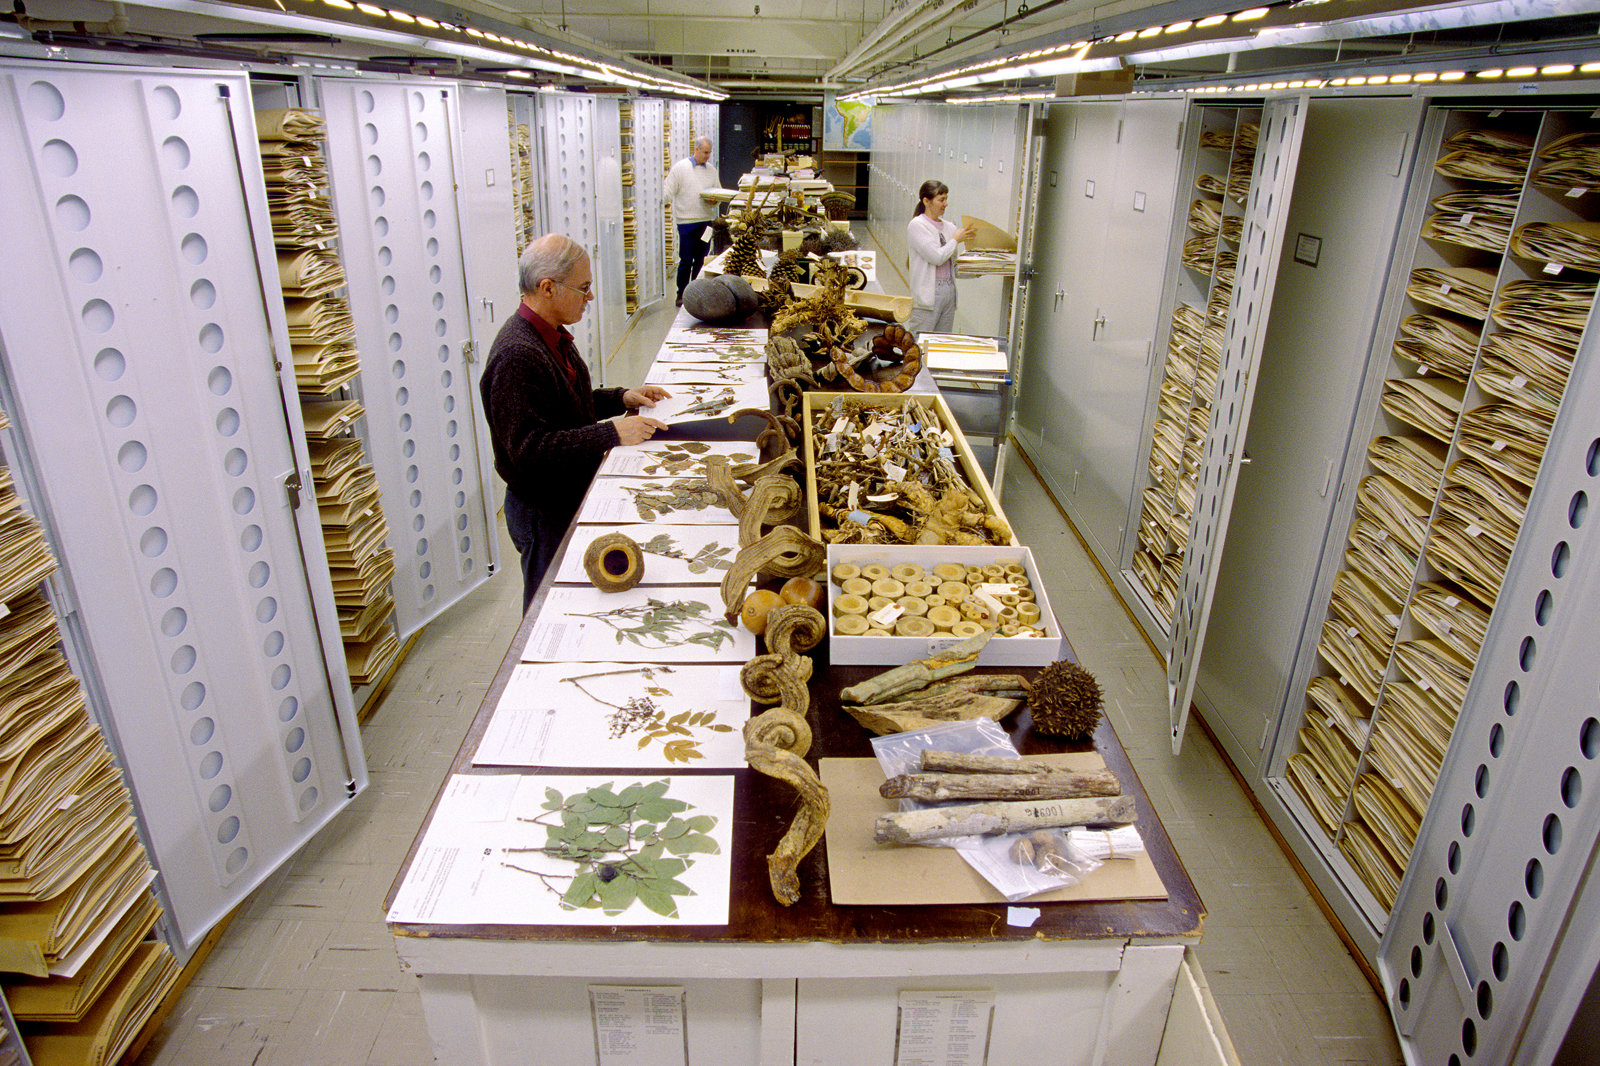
pixel 557 850
pixel 650 716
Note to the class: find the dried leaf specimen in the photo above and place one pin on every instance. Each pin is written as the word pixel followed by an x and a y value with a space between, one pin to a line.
pixel 659 624
pixel 626 848
pixel 640 714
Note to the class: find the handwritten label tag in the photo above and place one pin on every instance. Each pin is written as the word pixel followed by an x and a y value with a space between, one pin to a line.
pixel 1518 381
pixel 1466 219
pixel 884 617
pixel 1473 530
pixel 1575 192
pixel 893 471
pixel 1552 268
pixel 1498 445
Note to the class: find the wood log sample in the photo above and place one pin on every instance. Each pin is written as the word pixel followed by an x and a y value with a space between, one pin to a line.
pixel 919 714
pixel 990 819
pixel 940 788
pixel 959 762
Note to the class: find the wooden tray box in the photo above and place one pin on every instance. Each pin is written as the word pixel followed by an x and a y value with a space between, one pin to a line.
pixel 817 405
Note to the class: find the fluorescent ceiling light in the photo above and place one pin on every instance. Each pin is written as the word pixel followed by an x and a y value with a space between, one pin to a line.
pixel 1211 20
pixel 1522 72
pixel 1179 27
pixel 1250 15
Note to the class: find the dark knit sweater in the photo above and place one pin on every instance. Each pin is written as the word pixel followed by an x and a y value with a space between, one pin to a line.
pixel 543 418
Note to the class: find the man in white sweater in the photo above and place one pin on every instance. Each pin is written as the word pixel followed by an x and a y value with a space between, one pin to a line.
pixel 687 179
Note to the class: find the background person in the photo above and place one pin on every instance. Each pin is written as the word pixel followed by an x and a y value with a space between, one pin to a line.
pixel 932 244
pixel 687 179
pixel 543 415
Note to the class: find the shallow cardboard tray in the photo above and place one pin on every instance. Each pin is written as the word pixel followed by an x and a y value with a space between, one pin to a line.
pixel 821 401
pixel 896 651
pixel 864 873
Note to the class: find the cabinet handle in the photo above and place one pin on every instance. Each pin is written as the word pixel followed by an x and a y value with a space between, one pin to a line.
pixel 1060 294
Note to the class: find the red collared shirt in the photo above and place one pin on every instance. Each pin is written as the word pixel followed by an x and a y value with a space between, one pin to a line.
pixel 558 338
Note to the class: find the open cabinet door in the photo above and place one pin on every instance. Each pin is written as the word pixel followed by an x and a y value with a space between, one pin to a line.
pixel 394 172
pixel 146 366
pixel 1491 951
pixel 1260 249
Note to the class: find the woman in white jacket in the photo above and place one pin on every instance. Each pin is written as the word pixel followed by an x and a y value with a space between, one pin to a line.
pixel 932 243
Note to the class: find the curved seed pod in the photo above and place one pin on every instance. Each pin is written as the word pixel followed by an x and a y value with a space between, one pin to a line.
pixel 786 395
pixel 780 436
pixel 720 480
pixel 770 740
pixel 784 552
pixel 774 498
pixel 614 562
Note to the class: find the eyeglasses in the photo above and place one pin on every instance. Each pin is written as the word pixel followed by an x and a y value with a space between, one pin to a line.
pixel 586 290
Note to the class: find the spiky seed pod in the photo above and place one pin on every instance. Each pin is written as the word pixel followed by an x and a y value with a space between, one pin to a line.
pixel 1066 701
pixel 839 240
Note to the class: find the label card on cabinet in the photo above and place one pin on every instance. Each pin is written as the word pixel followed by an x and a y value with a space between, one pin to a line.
pixel 943 1028
pixel 639 1025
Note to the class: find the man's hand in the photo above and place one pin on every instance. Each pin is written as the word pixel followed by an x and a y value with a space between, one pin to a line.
pixel 644 396
pixel 636 429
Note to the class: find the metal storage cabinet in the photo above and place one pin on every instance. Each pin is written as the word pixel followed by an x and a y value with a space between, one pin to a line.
pixel 1106 189
pixel 1490 949
pixel 1355 164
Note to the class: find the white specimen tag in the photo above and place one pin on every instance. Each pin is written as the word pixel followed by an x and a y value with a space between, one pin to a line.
pixel 1498 445
pixel 1466 219
pixel 884 617
pixel 1552 268
pixel 883 497
pixel 1576 191
pixel 893 471
pixel 840 426
pixel 1473 530
pixel 855 494
pixel 1445 287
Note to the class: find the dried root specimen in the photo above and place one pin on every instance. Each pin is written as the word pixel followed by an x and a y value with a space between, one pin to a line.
pixel 776 741
pixel 1066 700
pixel 887 475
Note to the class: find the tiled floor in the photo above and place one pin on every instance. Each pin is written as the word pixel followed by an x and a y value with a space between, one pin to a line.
pixel 307 974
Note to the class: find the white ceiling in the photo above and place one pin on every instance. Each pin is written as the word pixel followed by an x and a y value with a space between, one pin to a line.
pixel 792 49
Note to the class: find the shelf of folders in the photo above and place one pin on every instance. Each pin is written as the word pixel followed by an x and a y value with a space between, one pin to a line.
pixel 327 370
pixel 669 230
pixel 79 962
pixel 1499 291
pixel 630 212
pixel 521 181
pixel 1224 162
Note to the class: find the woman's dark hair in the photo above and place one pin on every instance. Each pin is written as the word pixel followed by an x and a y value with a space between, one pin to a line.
pixel 929 190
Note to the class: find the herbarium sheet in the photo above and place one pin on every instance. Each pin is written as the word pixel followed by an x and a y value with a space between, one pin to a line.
pixel 515 849
pixel 649 624
pixel 615 500
pixel 673 458
pixel 673 555
pixel 653 716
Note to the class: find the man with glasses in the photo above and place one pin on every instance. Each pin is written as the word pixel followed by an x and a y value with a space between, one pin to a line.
pixel 687 179
pixel 544 417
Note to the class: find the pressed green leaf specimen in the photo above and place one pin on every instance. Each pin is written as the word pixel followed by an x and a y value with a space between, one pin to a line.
pixel 624 848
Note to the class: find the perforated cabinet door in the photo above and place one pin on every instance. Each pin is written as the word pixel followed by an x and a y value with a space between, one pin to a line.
pixel 566 125
pixel 1277 155
pixel 392 174
pixel 1492 943
pixel 139 364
